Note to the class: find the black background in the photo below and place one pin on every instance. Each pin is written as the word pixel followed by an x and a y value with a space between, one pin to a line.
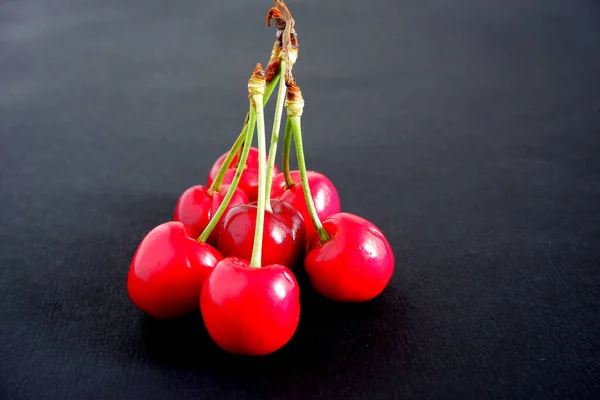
pixel 468 131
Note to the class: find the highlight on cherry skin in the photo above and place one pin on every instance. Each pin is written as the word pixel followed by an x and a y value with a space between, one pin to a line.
pixel 283 236
pixel 196 206
pixel 250 311
pixel 249 180
pixel 355 265
pixel 168 269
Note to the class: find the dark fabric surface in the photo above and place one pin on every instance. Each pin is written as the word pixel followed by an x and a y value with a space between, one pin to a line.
pixel 468 131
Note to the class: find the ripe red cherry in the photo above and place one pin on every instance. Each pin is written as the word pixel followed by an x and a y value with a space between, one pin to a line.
pixel 323 193
pixel 196 207
pixel 283 237
pixel 355 265
pixel 278 186
pixel 252 311
pixel 168 269
pixel 249 180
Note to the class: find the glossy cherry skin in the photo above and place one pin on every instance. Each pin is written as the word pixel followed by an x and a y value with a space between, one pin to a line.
pixel 196 207
pixel 251 311
pixel 323 193
pixel 249 180
pixel 278 186
pixel 283 237
pixel 168 269
pixel 355 265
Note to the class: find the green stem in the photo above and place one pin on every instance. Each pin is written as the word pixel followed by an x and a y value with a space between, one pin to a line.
pixel 270 87
pixel 236 179
pixel 296 125
pixel 255 261
pixel 275 135
pixel 216 185
pixel 287 149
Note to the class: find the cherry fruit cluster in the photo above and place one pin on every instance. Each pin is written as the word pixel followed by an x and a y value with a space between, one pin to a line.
pixel 234 244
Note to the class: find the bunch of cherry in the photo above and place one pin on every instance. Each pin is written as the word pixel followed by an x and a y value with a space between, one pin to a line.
pixel 233 245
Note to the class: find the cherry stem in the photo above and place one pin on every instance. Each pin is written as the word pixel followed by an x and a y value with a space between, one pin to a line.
pixel 297 127
pixel 270 87
pixel 275 136
pixel 287 149
pixel 255 261
pixel 236 178
pixel 215 187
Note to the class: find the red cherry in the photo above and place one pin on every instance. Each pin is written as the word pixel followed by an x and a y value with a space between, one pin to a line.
pixel 283 237
pixel 168 269
pixel 324 194
pixel 252 311
pixel 355 265
pixel 196 207
pixel 278 185
pixel 249 180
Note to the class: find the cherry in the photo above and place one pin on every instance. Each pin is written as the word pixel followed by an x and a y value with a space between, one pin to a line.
pixel 323 193
pixel 196 207
pixel 279 186
pixel 168 269
pixel 283 235
pixel 252 311
pixel 355 265
pixel 249 180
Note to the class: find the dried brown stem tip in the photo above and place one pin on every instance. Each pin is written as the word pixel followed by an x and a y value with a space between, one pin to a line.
pixel 286 37
pixel 277 18
pixel 282 20
pixel 272 69
pixel 273 66
pixel 294 102
pixel 256 83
